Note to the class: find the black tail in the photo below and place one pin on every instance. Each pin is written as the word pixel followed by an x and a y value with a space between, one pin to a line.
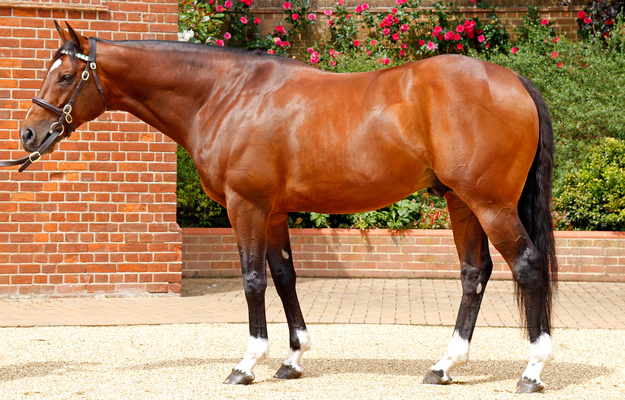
pixel 535 202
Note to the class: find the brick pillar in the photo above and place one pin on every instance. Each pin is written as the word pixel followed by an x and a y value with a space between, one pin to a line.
pixel 99 215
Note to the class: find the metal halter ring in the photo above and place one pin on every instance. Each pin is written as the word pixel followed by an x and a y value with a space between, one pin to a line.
pixel 85 75
pixel 54 126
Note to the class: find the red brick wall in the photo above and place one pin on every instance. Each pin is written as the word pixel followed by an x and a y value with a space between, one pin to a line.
pixel 583 256
pixel 99 215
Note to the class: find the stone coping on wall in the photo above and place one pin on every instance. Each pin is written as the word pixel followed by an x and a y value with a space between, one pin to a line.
pixel 413 253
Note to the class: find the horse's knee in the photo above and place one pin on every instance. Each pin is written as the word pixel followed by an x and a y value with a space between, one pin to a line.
pixel 254 284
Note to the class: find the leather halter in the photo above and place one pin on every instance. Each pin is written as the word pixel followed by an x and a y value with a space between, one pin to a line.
pixel 65 122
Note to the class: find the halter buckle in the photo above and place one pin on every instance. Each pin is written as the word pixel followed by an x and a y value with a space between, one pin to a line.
pixel 36 155
pixel 85 75
pixel 66 111
pixel 92 65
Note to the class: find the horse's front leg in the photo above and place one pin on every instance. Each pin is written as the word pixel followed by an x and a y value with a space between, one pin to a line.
pixel 280 261
pixel 250 230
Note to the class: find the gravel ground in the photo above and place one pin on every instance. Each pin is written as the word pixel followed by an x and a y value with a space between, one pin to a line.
pixel 189 361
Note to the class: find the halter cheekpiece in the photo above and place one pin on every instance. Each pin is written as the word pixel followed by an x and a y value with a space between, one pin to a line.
pixel 65 122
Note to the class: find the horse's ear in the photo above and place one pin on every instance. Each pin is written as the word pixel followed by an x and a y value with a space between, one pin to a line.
pixel 82 43
pixel 63 33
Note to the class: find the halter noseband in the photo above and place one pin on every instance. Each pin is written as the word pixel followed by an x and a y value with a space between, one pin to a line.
pixel 65 122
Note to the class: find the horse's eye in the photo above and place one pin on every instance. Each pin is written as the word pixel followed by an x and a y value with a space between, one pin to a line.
pixel 66 78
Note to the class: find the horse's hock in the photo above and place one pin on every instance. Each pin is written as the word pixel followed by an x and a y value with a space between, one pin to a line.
pixel 99 215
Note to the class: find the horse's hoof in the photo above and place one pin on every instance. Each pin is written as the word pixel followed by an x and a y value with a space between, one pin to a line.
pixel 287 372
pixel 526 386
pixel 238 378
pixel 435 378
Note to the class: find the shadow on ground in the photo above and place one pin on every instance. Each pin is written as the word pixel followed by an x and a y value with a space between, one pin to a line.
pixel 558 375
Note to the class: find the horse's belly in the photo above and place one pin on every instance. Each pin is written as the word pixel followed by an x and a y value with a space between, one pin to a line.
pixel 349 192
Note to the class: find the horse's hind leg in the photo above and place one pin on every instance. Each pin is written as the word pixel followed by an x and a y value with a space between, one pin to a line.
pixel 250 229
pixel 283 273
pixel 476 267
pixel 507 233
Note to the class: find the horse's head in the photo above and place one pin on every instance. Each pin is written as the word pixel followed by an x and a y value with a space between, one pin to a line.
pixel 70 94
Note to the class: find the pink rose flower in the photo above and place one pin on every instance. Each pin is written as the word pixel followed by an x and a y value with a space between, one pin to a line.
pixel 514 50
pixel 310 50
pixel 314 57
pixel 459 47
pixel 356 43
pixel 219 42
pixel 544 22
pixel 228 4
pixel 328 12
pixel 227 35
pixel 581 14
pixel 295 17
pixel 431 46
pixel 286 5
pixel 257 20
pixel 243 20
pixel 481 38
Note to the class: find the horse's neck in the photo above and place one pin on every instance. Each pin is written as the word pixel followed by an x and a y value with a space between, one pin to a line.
pixel 160 89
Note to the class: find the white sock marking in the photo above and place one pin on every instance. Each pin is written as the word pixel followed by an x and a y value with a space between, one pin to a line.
pixel 257 351
pixel 294 357
pixel 541 352
pixel 457 354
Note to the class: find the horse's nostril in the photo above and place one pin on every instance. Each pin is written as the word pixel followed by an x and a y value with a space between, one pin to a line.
pixel 28 136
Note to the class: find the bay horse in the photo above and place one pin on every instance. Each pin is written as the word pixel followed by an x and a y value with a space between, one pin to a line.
pixel 270 135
